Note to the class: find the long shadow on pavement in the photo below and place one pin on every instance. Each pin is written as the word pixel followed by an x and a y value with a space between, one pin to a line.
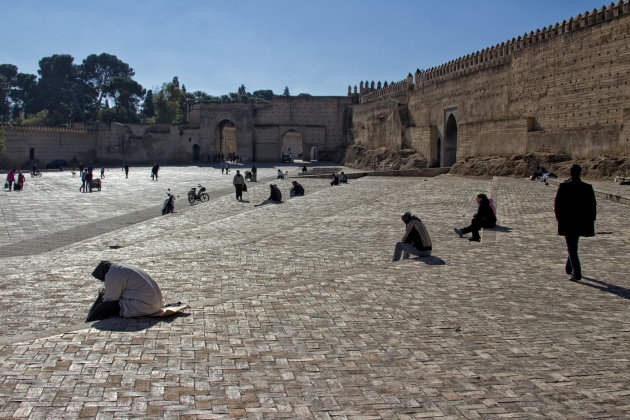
pixel 606 287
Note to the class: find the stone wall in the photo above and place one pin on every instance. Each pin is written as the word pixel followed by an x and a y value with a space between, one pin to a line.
pixel 322 123
pixel 562 89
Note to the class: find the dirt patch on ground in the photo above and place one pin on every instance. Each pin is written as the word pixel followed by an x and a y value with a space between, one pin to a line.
pixel 361 157
pixel 602 167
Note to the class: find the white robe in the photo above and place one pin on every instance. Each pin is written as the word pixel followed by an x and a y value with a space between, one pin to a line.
pixel 137 293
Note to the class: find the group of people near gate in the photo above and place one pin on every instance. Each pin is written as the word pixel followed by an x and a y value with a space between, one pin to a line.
pixel 575 209
pixel 13 182
pixel 275 195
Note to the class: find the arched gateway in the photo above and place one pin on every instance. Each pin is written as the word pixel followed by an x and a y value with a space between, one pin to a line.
pixel 225 139
pixel 292 143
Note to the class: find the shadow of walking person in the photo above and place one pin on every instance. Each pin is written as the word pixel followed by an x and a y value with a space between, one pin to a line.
pixel 605 287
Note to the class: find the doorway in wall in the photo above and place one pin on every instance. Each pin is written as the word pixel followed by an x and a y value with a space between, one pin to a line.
pixel 195 152
pixel 439 152
pixel 313 153
pixel 450 141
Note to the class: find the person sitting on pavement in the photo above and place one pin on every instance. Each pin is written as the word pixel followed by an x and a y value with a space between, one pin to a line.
pixel 343 178
pixel 304 169
pixel 129 291
pixel 484 217
pixel 280 174
pixel 275 196
pixel 19 184
pixel 297 189
pixel 416 239
pixel 334 180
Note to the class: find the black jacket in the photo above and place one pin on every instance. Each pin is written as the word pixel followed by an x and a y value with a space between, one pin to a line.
pixel 576 208
pixel 485 215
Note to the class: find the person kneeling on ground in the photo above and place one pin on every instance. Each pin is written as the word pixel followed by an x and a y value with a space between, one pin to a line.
pixel 297 189
pixel 129 291
pixel 416 239
pixel 484 217
pixel 280 174
pixel 343 178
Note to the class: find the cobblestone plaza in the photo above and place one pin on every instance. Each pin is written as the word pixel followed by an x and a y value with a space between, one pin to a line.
pixel 296 310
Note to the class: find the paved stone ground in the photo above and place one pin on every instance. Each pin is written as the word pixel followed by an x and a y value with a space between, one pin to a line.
pixel 297 312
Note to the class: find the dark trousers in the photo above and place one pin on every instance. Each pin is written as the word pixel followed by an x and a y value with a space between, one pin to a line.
pixel 239 191
pixel 103 309
pixel 475 225
pixel 573 261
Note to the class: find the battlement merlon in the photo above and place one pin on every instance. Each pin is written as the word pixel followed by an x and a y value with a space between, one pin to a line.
pixel 500 53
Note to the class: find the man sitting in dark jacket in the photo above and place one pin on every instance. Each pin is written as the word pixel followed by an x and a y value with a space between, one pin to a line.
pixel 297 189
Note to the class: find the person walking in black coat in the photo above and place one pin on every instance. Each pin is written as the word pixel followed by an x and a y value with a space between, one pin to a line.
pixel 576 211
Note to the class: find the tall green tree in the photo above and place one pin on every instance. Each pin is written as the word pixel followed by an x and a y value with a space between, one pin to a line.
pixel 242 90
pixel 168 100
pixel 61 91
pixel 286 91
pixel 24 95
pixel 127 94
pixel 98 72
pixel 148 108
pixel 8 77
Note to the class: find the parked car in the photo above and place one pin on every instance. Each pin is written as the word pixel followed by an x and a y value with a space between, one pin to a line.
pixel 286 158
pixel 56 164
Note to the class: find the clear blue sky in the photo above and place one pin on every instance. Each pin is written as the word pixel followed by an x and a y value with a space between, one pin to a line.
pixel 312 46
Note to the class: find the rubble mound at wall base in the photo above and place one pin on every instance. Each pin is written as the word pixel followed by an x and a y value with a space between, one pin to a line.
pixel 361 157
pixel 601 167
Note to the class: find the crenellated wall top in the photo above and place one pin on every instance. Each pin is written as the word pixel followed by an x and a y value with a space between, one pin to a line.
pixel 40 128
pixel 496 55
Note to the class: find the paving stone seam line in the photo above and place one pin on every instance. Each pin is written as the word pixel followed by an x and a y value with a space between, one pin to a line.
pixel 70 244
pixel 202 304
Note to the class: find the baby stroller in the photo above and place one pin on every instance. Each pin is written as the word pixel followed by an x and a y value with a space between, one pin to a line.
pixel 95 184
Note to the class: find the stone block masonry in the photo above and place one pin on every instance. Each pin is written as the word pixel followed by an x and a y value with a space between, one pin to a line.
pixel 560 89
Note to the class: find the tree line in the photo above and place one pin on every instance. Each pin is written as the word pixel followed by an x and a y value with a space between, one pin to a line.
pixel 100 89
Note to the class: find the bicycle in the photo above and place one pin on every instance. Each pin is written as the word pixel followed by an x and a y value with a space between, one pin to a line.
pixel 194 195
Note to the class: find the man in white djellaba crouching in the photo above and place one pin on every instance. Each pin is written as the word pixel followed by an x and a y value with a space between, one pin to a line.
pixel 129 291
